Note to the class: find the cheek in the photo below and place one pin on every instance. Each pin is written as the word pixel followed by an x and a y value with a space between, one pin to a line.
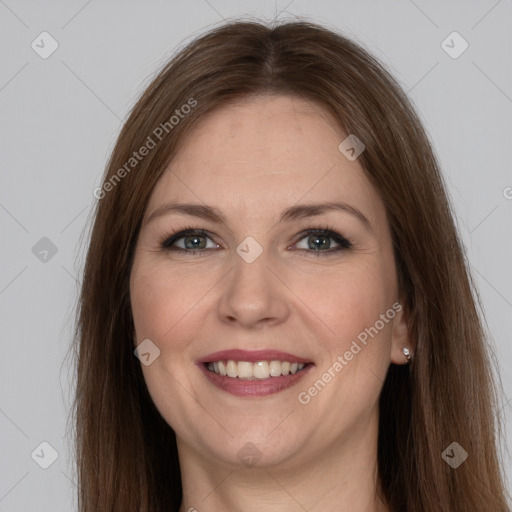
pixel 164 301
pixel 151 309
pixel 359 313
pixel 163 311
pixel 347 303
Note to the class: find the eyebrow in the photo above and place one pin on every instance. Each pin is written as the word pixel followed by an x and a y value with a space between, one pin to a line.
pixel 292 213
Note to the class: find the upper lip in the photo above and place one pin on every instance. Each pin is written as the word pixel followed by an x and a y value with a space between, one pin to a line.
pixel 252 356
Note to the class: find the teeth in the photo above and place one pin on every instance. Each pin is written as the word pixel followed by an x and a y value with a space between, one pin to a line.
pixel 275 368
pixel 244 370
pixel 231 369
pixel 259 370
pixel 222 368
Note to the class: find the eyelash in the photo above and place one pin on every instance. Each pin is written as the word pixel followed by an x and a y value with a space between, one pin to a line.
pixel 171 238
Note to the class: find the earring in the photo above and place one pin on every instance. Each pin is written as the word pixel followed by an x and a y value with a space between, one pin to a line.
pixel 407 354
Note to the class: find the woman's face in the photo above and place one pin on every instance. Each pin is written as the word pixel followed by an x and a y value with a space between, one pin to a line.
pixel 253 292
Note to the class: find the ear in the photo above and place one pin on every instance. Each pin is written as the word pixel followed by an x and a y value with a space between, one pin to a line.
pixel 400 335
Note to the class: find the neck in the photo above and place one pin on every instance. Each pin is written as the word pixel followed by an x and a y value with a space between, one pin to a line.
pixel 341 477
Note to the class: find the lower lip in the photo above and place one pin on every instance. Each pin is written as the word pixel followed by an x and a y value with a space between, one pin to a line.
pixel 256 387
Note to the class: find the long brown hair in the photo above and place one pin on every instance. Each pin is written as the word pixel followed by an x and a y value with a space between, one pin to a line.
pixel 126 453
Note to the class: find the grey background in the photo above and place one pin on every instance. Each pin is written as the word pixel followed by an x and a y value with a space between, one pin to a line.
pixel 59 120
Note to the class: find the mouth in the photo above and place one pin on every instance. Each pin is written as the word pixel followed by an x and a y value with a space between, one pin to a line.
pixel 251 371
pixel 253 374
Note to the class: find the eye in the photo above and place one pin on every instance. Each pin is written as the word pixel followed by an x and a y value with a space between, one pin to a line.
pixel 319 241
pixel 191 241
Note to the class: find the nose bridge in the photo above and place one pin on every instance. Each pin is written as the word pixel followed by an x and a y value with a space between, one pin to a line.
pixel 253 293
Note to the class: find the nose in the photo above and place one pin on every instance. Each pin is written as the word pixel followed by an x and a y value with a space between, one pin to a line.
pixel 255 295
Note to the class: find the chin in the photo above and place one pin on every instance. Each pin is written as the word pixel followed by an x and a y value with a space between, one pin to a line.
pixel 257 452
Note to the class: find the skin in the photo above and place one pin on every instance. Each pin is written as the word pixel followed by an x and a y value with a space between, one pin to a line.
pixel 251 160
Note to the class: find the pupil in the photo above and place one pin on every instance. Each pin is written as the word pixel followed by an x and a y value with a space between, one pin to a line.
pixel 314 239
pixel 197 243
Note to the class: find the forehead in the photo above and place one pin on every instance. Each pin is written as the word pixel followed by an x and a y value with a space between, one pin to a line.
pixel 265 152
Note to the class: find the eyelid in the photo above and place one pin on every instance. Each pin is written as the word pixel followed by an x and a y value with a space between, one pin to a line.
pixel 182 233
pixel 342 242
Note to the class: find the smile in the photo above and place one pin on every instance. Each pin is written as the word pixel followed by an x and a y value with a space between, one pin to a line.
pixel 258 370
pixel 253 373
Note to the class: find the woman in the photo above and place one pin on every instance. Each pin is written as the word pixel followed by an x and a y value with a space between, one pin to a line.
pixel 274 243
